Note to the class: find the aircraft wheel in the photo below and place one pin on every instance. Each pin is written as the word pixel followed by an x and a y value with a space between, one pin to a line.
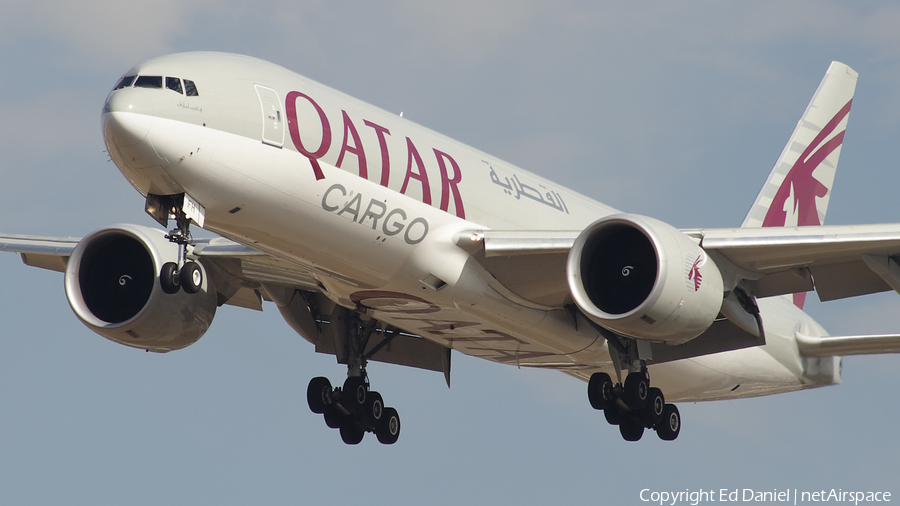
pixel 335 419
pixel 652 414
pixel 613 415
pixel 670 426
pixel 631 430
pixel 169 279
pixel 389 430
pixel 600 390
pixel 353 395
pixel 374 410
pixel 318 394
pixel 191 277
pixel 637 389
pixel 352 433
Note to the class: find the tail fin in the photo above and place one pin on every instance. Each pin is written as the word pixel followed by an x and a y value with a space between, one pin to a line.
pixel 799 187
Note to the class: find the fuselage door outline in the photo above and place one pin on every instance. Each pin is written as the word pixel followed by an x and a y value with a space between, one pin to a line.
pixel 272 115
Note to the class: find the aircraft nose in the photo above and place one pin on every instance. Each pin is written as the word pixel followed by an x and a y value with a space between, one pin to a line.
pixel 127 117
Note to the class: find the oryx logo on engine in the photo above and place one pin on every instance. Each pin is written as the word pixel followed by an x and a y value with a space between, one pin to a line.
pixel 694 272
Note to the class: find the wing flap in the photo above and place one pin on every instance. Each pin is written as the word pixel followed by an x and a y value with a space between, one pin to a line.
pixel 812 346
pixel 841 261
pixel 50 262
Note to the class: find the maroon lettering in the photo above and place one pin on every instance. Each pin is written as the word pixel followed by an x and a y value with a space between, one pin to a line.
pixel 385 159
pixel 290 107
pixel 421 175
pixel 449 184
pixel 356 149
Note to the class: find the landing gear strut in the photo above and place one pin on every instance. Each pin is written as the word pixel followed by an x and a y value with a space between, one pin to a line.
pixel 183 274
pixel 354 408
pixel 633 405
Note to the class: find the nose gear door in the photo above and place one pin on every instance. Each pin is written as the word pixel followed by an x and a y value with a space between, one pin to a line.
pixel 273 125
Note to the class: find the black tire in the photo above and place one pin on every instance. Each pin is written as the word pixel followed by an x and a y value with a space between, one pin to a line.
pixel 352 433
pixel 637 389
pixel 600 390
pixel 613 415
pixel 191 277
pixel 318 394
pixel 374 411
pixel 631 430
pixel 670 426
pixel 389 430
pixel 168 278
pixel 652 414
pixel 334 419
pixel 353 395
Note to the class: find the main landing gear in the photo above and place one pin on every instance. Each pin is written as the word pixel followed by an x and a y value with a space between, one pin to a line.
pixel 354 408
pixel 184 274
pixel 634 406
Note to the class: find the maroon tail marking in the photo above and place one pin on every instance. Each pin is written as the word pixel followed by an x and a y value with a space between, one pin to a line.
pixel 806 187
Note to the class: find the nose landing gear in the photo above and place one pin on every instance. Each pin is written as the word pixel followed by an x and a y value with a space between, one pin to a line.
pixel 183 274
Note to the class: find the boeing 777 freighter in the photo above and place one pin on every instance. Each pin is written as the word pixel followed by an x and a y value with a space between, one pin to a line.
pixel 378 239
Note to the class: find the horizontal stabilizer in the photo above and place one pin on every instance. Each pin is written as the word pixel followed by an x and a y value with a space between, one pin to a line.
pixel 811 346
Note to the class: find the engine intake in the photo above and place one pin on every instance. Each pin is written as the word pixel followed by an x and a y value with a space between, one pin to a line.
pixel 642 278
pixel 112 284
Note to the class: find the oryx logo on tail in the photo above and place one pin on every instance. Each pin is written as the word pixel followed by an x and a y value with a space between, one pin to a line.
pixel 795 201
pixel 799 187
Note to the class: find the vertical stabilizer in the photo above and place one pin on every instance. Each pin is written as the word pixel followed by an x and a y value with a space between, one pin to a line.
pixel 799 187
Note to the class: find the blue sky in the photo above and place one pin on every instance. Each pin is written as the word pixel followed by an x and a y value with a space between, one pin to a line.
pixel 675 110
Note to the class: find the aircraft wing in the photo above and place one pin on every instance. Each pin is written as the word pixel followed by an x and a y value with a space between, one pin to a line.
pixel 248 268
pixel 244 278
pixel 37 251
pixel 836 261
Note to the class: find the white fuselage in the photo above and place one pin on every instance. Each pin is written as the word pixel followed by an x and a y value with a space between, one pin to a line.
pixel 371 204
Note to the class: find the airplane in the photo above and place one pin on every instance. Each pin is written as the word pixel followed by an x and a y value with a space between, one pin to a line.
pixel 380 240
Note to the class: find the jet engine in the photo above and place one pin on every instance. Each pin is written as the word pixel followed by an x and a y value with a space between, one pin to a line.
pixel 112 283
pixel 643 278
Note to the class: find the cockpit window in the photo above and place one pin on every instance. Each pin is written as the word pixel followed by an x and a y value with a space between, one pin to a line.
pixel 174 84
pixel 190 88
pixel 124 82
pixel 148 82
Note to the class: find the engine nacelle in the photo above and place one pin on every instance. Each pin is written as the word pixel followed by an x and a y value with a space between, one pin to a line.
pixel 112 283
pixel 642 278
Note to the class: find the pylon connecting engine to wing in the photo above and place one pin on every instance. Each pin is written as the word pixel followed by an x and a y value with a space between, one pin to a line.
pixel 642 278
